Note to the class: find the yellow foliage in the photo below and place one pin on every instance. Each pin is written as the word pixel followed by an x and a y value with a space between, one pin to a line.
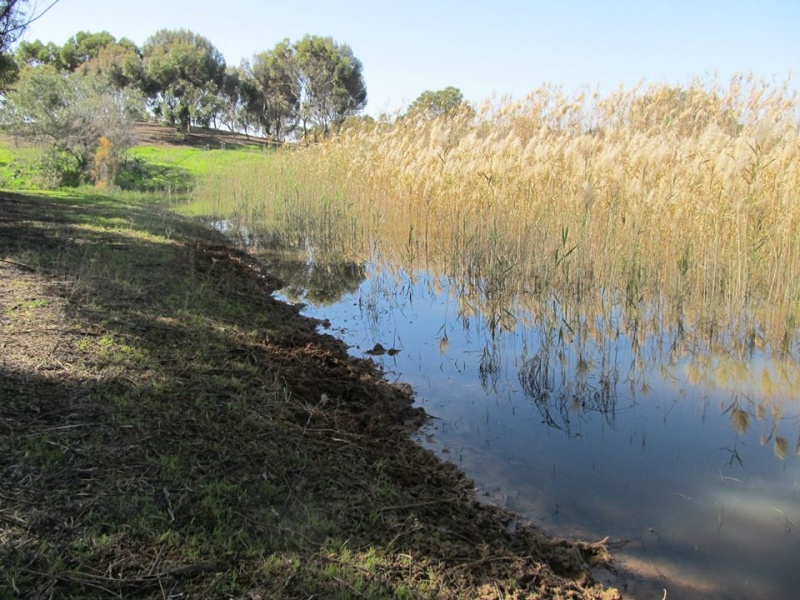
pixel 105 163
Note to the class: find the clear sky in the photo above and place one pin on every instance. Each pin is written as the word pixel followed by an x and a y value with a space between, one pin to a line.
pixel 485 48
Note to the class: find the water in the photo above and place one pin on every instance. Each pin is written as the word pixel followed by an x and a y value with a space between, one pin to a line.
pixel 599 424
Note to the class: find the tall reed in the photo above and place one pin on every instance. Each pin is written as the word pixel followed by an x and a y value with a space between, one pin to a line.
pixel 685 198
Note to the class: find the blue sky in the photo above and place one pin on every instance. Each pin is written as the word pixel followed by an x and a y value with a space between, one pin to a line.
pixel 485 48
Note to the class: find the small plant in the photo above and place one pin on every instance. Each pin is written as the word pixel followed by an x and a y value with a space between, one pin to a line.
pixel 105 163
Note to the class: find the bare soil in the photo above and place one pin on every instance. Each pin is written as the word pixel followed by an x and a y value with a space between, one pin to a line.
pixel 154 134
pixel 168 429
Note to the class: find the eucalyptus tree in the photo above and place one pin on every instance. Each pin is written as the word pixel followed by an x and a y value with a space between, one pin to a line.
pixel 330 82
pixel 239 97
pixel 309 85
pixel 35 52
pixel 179 71
pixel 91 53
pixel 83 47
pixel 113 62
pixel 434 104
pixel 276 102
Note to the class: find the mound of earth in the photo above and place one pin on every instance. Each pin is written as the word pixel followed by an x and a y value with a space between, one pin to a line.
pixel 155 134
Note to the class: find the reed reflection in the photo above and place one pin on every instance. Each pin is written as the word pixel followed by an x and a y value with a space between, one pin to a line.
pixel 576 353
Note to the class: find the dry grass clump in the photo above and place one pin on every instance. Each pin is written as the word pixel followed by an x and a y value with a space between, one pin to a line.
pixel 683 198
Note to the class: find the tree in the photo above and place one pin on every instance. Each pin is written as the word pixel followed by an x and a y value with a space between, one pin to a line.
pixel 15 16
pixel 239 96
pixel 95 53
pixel 178 72
pixel 275 77
pixel 36 53
pixel 314 83
pixel 111 61
pixel 69 114
pixel 432 104
pixel 83 47
pixel 330 82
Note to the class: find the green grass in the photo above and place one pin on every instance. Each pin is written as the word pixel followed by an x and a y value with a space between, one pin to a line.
pixel 18 167
pixel 173 170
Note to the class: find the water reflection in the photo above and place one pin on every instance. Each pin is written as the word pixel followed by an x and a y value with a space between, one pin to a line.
pixel 603 418
pixel 320 284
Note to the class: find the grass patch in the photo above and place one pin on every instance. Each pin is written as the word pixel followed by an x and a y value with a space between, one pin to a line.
pixel 19 166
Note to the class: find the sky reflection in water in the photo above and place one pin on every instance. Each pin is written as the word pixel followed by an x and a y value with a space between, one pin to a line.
pixel 697 467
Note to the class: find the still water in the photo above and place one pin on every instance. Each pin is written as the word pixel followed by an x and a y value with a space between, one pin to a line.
pixel 594 425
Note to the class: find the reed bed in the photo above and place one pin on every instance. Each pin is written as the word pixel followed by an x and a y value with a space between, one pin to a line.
pixel 681 203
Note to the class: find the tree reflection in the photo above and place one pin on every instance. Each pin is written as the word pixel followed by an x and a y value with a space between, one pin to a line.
pixel 321 282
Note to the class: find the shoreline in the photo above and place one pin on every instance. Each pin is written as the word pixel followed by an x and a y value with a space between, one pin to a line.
pixel 171 425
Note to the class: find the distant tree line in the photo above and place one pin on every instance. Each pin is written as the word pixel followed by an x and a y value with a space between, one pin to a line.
pixel 290 90
pixel 82 98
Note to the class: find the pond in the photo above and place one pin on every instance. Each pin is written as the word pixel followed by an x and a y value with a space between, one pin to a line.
pixel 596 420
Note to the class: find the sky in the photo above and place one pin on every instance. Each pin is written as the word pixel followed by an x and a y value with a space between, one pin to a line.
pixel 487 49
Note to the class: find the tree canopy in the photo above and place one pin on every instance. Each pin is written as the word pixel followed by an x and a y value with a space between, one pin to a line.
pixel 178 72
pixel 80 99
pixel 330 82
pixel 309 85
pixel 275 78
pixel 291 90
pixel 81 50
pixel 83 47
pixel 433 104
pixel 15 16
pixel 70 113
